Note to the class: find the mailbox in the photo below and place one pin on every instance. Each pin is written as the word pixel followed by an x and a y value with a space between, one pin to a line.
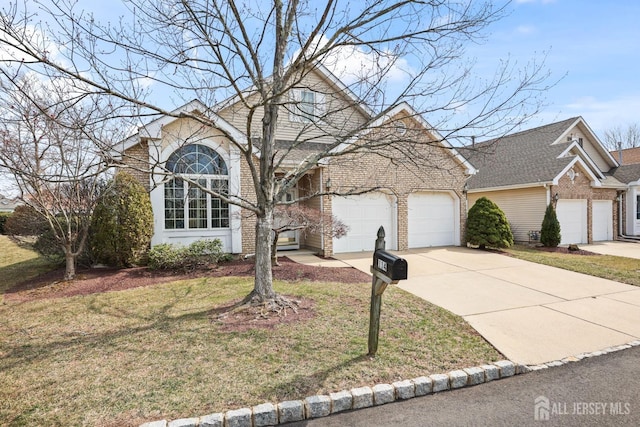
pixel 390 265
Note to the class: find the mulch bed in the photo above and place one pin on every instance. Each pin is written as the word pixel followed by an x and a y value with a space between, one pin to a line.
pixel 97 280
pixel 565 250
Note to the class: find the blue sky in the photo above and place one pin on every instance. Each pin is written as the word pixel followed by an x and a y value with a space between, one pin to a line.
pixel 592 46
pixel 595 43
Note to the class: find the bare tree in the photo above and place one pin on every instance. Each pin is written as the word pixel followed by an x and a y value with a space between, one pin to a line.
pixel 44 146
pixel 621 137
pixel 258 55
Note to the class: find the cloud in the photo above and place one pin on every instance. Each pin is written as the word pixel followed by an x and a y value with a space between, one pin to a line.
pixel 606 114
pixel 351 64
pixel 526 29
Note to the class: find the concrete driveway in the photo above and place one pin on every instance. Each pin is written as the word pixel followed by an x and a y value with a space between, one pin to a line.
pixel 625 249
pixel 530 312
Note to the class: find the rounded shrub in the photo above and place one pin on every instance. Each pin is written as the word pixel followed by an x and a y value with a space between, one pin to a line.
pixel 201 253
pixel 550 232
pixel 122 223
pixel 487 225
pixel 4 216
pixel 25 221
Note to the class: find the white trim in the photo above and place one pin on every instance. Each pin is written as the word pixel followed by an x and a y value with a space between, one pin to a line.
pixel 598 144
pixel 595 182
pixel 510 187
pixel 584 156
pixel 153 129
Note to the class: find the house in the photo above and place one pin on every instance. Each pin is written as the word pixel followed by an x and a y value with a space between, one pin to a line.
pixel 627 156
pixel 8 205
pixel 629 201
pixel 420 203
pixel 563 163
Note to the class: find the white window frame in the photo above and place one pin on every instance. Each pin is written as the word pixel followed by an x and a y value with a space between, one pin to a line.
pixel 304 111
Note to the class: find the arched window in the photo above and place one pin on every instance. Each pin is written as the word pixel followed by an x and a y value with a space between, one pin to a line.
pixel 190 205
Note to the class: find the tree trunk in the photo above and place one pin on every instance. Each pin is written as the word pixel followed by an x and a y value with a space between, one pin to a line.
pixel 263 287
pixel 70 263
pixel 274 248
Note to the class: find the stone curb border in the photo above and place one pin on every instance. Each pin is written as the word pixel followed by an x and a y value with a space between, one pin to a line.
pixel 268 414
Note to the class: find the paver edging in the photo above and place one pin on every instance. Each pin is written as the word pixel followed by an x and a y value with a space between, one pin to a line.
pixel 365 397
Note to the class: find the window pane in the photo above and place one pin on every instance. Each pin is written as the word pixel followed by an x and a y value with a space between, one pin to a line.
pixel 219 209
pixel 637 207
pixel 196 159
pixel 174 204
pixel 197 205
pixel 306 105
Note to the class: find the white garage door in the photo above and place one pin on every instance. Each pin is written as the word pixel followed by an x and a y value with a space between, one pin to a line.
pixel 602 220
pixel 364 214
pixel 572 215
pixel 432 220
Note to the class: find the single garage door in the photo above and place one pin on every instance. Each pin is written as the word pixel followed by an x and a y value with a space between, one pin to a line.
pixel 602 220
pixel 364 214
pixel 572 215
pixel 432 220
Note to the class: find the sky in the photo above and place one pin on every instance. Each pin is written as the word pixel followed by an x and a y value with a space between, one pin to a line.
pixel 593 48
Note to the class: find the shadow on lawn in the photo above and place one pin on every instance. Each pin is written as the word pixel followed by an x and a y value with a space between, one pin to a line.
pixel 307 385
pixel 80 341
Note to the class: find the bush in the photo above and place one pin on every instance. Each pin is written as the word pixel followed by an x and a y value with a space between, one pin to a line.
pixel 550 232
pixel 487 225
pixel 122 223
pixel 200 253
pixel 25 221
pixel 4 216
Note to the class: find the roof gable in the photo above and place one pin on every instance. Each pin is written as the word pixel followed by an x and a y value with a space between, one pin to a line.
pixel 538 156
pixel 405 108
pixel 153 129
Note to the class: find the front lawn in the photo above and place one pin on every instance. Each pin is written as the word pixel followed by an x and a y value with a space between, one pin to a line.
pixel 126 357
pixel 18 264
pixel 620 269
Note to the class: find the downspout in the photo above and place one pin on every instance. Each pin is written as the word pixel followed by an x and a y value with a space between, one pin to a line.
pixel 321 190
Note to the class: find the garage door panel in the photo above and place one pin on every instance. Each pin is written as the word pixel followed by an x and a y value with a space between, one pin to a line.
pixel 364 214
pixel 572 215
pixel 432 220
pixel 602 221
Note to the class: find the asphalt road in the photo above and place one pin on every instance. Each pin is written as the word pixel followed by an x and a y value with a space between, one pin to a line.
pixel 602 391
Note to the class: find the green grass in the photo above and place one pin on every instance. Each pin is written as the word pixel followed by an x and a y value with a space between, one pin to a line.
pixel 18 263
pixel 122 358
pixel 620 269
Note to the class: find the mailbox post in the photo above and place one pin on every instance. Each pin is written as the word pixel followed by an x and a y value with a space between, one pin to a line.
pixel 387 268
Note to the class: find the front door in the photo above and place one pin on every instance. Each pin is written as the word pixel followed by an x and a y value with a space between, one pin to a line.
pixel 288 240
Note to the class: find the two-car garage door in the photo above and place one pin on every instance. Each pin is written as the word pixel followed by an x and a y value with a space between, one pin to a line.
pixel 432 220
pixel 572 215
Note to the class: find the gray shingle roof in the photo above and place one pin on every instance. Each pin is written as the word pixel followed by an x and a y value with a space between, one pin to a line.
pixel 526 157
pixel 627 173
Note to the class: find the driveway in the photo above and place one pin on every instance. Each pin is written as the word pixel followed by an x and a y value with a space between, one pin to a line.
pixel 530 312
pixel 625 249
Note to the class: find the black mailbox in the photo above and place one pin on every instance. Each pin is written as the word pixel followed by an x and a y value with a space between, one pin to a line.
pixel 390 265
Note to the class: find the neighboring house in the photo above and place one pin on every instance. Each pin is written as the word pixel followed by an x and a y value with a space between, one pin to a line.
pixel 562 163
pixel 8 205
pixel 627 156
pixel 418 205
pixel 629 173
